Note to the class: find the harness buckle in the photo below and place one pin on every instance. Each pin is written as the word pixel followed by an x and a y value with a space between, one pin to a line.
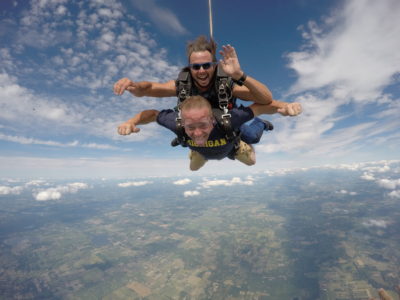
pixel 223 97
pixel 183 94
pixel 226 115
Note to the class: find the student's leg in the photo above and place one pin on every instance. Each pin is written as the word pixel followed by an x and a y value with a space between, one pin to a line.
pixel 246 154
pixel 196 160
pixel 251 134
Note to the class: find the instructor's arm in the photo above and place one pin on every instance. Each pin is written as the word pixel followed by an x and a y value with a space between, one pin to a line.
pixel 145 88
pixel 284 108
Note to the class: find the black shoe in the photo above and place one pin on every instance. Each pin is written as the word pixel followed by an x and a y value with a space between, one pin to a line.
pixel 268 125
pixel 175 142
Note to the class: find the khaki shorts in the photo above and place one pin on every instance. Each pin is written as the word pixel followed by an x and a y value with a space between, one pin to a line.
pixel 196 160
pixel 246 154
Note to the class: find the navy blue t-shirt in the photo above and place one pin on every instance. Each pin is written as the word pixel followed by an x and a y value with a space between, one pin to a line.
pixel 217 146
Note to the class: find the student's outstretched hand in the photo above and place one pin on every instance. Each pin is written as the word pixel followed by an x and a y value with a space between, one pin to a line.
pixel 230 62
pixel 291 109
pixel 138 89
pixel 127 128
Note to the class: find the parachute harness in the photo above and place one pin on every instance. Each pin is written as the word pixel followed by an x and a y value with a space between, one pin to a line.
pixel 226 101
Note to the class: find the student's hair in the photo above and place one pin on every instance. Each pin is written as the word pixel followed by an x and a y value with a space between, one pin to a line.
pixel 202 44
pixel 196 102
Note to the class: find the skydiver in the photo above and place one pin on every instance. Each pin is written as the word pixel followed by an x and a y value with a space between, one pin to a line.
pixel 202 68
pixel 206 139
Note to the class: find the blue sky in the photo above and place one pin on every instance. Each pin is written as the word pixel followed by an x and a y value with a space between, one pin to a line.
pixel 59 60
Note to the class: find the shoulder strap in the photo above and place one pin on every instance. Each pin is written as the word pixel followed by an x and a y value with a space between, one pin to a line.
pixel 181 137
pixel 224 122
pixel 224 86
pixel 183 85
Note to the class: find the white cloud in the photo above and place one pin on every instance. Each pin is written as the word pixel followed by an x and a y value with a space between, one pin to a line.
pixel 109 43
pixel 376 223
pixel 104 33
pixel 19 102
pixel 134 183
pixel 91 167
pixel 99 146
pixel 165 19
pixel 319 131
pixel 76 186
pixel 345 192
pixel 389 183
pixel 278 172
pixel 394 194
pixel 52 117
pixel 31 141
pixel 57 192
pixel 285 171
pixel 61 10
pixel 347 60
pixel 378 169
pixel 224 182
pixel 12 180
pixel 372 166
pixel 350 167
pixel 49 194
pixel 36 182
pixel 352 52
pixel 182 181
pixel 367 176
pixel 6 190
pixel 300 132
pixel 191 193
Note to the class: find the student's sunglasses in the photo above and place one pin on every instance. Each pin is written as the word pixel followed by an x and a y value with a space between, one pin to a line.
pixel 205 66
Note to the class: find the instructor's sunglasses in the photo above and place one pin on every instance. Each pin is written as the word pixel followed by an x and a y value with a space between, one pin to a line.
pixel 205 66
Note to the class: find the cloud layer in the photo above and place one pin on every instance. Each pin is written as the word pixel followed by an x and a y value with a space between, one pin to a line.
pixel 351 52
pixel 344 69
pixel 134 183
pixel 58 68
pixel 57 192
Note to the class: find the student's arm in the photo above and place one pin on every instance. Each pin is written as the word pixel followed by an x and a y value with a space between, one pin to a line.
pixel 144 117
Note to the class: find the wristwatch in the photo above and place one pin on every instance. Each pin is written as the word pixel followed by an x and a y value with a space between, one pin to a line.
pixel 241 80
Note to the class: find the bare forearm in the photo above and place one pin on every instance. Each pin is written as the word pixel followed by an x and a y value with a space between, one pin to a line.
pixel 145 88
pixel 272 108
pixel 154 89
pixel 261 93
pixel 253 90
pixel 144 117
pixel 284 108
